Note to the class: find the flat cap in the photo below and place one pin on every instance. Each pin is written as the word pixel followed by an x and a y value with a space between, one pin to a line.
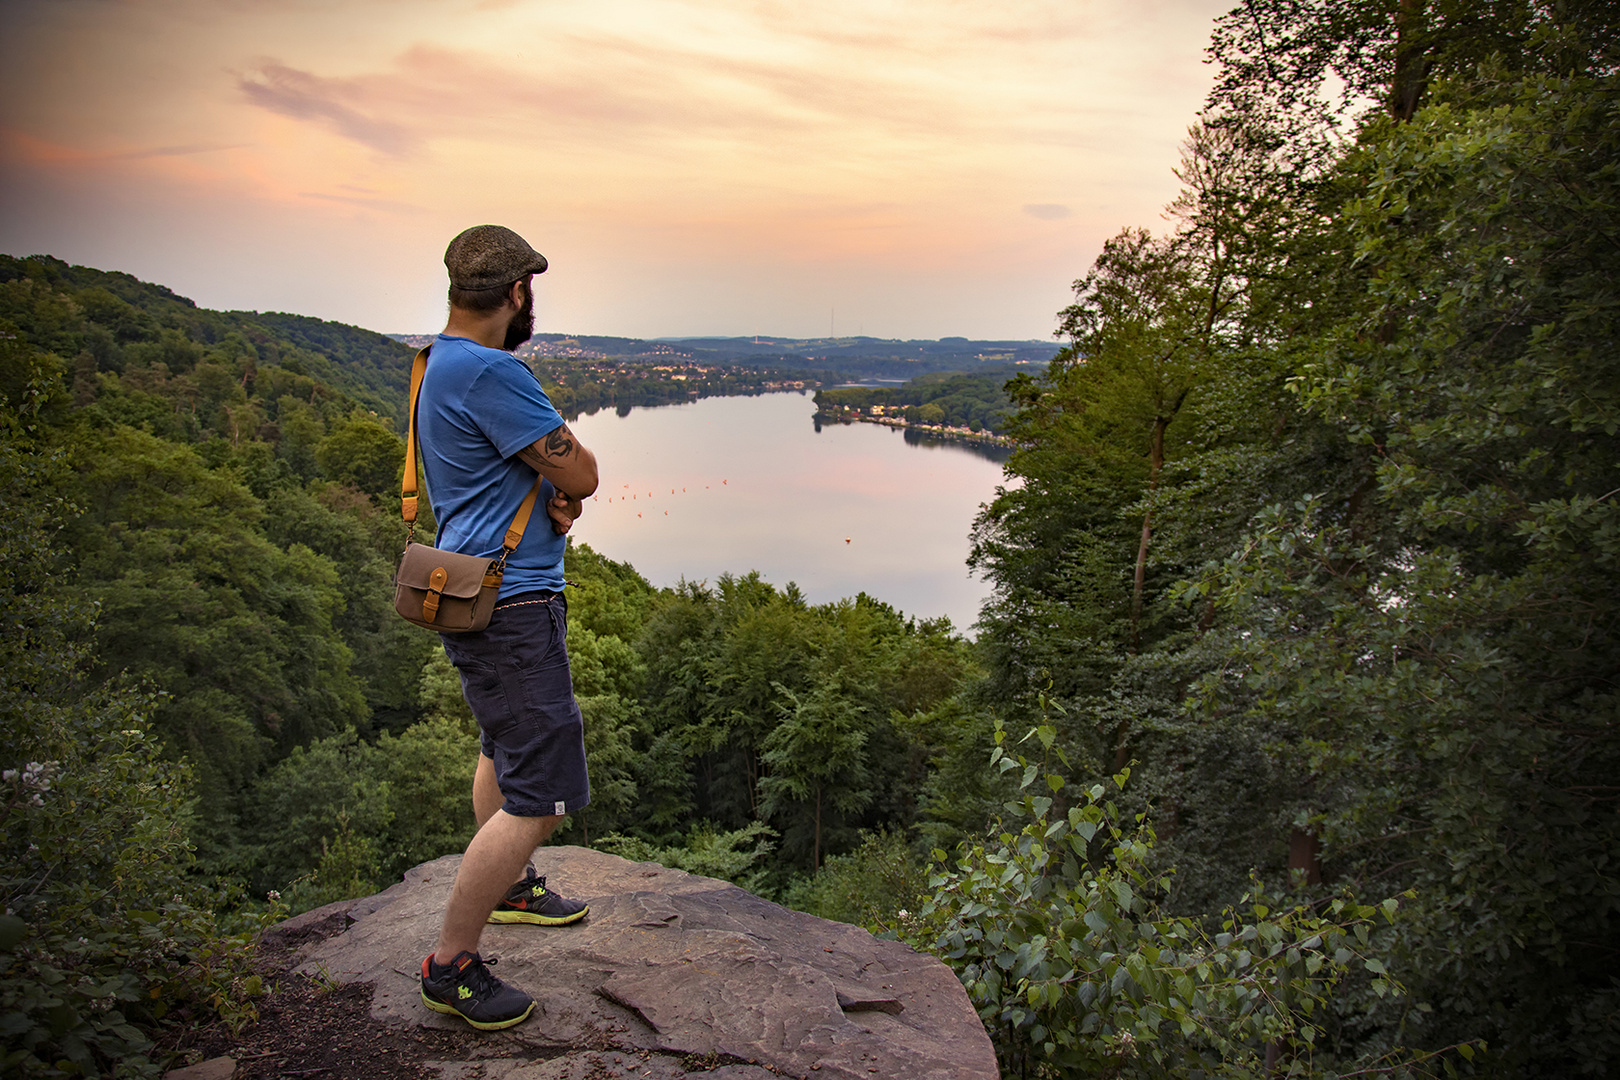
pixel 489 256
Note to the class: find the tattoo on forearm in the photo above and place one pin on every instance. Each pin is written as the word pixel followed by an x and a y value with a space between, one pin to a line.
pixel 559 444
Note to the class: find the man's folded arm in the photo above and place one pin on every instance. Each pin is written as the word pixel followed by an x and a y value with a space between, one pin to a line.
pixel 559 457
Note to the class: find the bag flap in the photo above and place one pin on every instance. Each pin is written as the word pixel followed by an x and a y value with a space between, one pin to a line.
pixel 462 575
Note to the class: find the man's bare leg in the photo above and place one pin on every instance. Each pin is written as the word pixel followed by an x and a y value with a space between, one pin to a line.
pixel 494 859
pixel 487 797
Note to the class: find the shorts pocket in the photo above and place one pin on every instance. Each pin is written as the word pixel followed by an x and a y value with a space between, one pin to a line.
pixel 536 648
pixel 485 694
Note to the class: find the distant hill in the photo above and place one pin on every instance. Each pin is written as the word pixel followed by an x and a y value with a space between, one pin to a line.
pixel 117 310
pixel 847 357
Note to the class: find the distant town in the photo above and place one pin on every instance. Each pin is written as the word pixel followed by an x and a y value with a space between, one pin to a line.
pixel 849 358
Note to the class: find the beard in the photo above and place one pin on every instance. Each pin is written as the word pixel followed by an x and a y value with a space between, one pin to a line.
pixel 521 328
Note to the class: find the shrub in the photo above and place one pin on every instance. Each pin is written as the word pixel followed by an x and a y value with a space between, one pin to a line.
pixel 878 885
pixel 1055 928
pixel 729 856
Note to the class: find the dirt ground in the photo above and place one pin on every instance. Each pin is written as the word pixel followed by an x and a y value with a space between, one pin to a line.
pixel 308 1028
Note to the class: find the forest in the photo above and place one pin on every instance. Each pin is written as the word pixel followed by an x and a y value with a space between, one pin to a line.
pixel 1287 743
pixel 975 401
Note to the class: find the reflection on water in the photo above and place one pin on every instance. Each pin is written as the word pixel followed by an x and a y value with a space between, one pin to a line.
pixel 989 451
pixel 923 440
pixel 744 483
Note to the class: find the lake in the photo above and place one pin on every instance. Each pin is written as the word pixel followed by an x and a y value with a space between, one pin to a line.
pixel 749 483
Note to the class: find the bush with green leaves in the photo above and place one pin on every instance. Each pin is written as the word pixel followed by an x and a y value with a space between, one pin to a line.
pixel 878 885
pixel 730 856
pixel 1056 929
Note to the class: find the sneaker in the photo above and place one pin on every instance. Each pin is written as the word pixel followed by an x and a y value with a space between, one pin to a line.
pixel 465 988
pixel 529 901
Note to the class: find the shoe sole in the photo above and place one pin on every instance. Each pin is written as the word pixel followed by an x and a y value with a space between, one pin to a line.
pixel 482 1025
pixel 532 919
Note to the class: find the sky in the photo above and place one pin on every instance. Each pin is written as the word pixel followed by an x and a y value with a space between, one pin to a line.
pixel 894 168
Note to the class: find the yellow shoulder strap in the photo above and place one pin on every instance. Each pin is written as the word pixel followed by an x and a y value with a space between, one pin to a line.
pixel 407 494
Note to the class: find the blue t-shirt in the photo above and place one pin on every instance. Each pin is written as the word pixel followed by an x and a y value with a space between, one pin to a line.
pixel 478 407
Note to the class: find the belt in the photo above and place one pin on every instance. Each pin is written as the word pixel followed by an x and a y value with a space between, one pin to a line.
pixel 543 596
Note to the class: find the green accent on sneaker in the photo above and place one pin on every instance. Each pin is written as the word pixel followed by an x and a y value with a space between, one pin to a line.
pixel 530 902
pixel 481 1025
pixel 500 916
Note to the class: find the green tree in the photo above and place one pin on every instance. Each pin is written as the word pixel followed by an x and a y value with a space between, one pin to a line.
pixel 320 795
pixel 342 817
pixel 1455 691
pixel 105 928
pixel 738 680
pixel 364 452
pixel 611 727
pixel 238 632
pixel 1379 547
pixel 817 755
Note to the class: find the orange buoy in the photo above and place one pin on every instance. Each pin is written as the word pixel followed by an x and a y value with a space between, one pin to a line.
pixel 846 539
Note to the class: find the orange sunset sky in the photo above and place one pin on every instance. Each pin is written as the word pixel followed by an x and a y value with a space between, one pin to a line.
pixel 917 168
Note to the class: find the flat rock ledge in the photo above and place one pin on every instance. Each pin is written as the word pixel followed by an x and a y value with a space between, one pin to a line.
pixel 671 975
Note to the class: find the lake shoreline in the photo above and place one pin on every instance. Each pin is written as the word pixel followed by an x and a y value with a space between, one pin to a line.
pixel 933 431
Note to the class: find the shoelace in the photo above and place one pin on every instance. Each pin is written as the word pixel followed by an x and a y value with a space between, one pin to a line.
pixel 477 977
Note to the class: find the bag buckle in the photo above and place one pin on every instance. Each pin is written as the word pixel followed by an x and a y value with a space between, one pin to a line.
pixel 430 602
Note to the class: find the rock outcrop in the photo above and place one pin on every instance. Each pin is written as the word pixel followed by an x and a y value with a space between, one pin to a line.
pixel 672 975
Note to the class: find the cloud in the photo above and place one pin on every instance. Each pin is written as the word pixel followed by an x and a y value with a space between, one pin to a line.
pixel 303 96
pixel 855 97
pixel 178 151
pixel 922 28
pixel 359 200
pixel 1047 211
pixel 47 152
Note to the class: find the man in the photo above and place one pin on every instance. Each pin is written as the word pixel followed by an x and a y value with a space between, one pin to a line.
pixel 486 429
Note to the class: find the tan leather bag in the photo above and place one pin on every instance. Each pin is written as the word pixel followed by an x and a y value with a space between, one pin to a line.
pixel 445 590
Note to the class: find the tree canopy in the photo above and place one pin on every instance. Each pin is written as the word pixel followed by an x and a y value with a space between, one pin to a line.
pixel 1316 520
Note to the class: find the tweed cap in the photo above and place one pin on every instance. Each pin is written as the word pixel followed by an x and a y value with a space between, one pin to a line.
pixel 489 256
